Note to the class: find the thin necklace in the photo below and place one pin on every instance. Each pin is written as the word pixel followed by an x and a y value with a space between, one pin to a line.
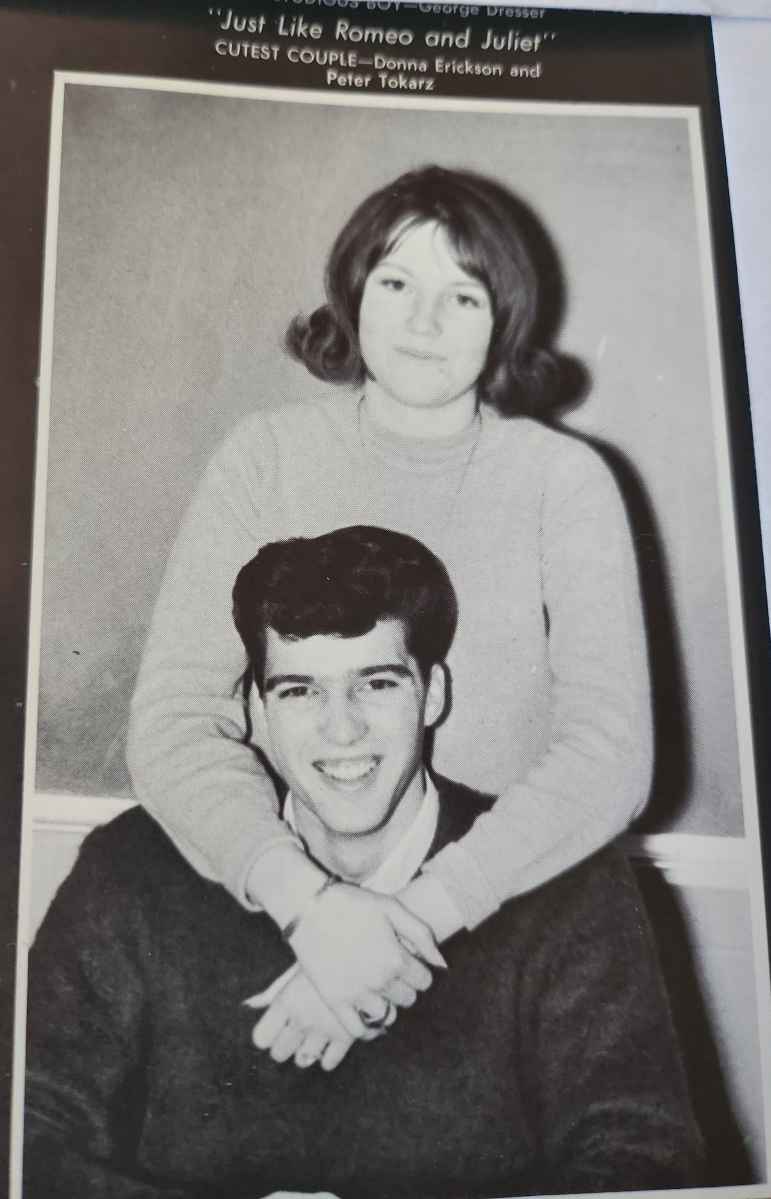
pixel 452 506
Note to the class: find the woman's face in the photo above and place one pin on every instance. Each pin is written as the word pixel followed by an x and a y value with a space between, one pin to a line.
pixel 424 325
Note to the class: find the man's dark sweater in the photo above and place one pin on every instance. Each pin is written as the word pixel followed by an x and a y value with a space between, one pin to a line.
pixel 543 1060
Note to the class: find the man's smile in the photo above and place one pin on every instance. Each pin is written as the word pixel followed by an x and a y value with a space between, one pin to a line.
pixel 348 771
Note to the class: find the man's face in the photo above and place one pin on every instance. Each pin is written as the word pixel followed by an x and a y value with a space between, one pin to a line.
pixel 345 718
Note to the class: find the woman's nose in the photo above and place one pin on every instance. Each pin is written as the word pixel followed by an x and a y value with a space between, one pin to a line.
pixel 425 315
pixel 344 723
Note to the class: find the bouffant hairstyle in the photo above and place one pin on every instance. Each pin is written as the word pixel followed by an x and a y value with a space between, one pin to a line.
pixel 343 583
pixel 488 229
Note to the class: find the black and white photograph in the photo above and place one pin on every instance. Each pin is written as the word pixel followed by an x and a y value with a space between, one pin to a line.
pixel 390 819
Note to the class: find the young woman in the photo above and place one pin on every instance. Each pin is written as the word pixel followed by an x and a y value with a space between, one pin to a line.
pixel 432 299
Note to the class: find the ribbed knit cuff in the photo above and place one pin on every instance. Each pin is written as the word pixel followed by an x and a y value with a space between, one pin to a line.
pixel 241 880
pixel 466 885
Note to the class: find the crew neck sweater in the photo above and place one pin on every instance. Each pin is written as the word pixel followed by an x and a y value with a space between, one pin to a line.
pixel 543 1060
pixel 550 700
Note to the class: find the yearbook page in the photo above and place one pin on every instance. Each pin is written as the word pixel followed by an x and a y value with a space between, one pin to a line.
pixel 386 641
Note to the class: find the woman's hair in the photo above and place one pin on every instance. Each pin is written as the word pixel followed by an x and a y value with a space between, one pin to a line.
pixel 488 229
pixel 342 583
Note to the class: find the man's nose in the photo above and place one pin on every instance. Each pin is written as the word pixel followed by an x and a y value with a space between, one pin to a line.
pixel 344 722
pixel 425 314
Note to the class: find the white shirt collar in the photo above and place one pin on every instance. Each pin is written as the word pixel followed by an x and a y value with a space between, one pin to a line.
pixel 410 852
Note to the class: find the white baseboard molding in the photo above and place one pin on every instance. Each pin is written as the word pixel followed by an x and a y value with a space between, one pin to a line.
pixel 60 812
pixel 685 859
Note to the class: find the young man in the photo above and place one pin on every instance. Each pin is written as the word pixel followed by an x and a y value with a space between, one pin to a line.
pixel 543 1060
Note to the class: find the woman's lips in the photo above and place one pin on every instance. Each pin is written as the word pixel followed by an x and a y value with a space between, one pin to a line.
pixel 348 772
pixel 420 355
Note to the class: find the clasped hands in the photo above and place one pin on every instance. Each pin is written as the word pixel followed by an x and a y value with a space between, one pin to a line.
pixel 360 957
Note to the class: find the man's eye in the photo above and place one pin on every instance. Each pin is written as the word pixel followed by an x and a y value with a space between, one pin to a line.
pixel 381 684
pixel 298 691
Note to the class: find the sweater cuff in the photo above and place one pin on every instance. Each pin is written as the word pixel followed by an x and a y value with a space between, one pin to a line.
pixel 466 885
pixel 239 888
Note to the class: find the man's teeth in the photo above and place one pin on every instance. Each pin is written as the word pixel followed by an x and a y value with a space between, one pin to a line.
pixel 348 770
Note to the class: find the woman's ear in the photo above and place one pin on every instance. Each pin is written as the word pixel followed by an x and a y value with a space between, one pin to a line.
pixel 436 695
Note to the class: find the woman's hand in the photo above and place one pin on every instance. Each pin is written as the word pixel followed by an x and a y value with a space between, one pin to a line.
pixel 358 947
pixel 297 1023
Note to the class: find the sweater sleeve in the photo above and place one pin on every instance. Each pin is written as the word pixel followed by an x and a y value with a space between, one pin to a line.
pixel 189 763
pixel 85 1031
pixel 594 776
pixel 600 1065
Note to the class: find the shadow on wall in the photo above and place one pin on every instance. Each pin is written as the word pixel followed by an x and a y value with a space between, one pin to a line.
pixel 673 757
pixel 728 1161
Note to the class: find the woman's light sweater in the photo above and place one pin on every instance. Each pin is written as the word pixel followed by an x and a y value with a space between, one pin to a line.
pixel 550 697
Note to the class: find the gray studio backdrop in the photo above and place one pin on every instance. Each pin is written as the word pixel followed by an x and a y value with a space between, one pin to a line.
pixel 191 228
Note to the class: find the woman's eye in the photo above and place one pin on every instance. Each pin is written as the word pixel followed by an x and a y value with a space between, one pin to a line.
pixel 391 283
pixel 467 299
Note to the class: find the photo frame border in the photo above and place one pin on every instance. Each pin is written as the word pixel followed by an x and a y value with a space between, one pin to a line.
pixel 742 596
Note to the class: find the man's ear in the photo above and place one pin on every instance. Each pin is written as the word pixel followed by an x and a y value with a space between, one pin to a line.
pixel 436 695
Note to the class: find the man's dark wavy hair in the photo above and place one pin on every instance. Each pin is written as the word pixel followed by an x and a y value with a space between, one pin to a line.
pixel 343 583
pixel 488 228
